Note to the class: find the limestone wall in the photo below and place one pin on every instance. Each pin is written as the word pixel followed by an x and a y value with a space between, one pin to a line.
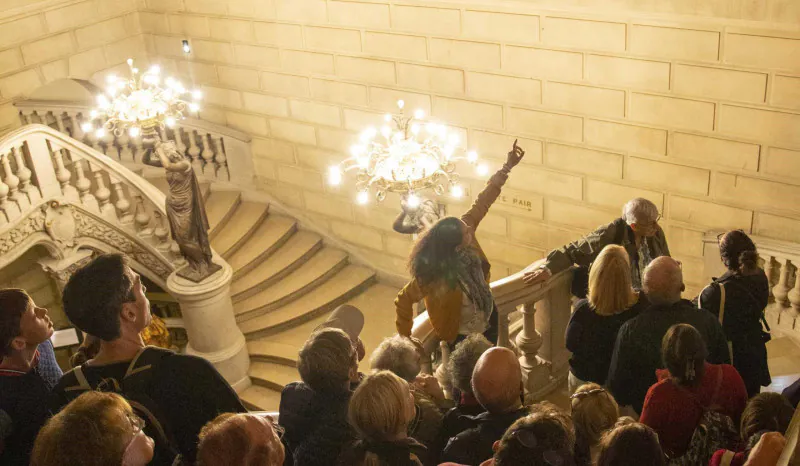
pixel 693 104
pixel 42 41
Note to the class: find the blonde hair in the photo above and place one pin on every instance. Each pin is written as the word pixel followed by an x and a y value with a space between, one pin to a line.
pixel 379 406
pixel 92 430
pixel 594 411
pixel 610 286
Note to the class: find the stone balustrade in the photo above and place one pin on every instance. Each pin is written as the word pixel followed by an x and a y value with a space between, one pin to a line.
pixel 109 205
pixel 217 153
pixel 781 263
pixel 537 317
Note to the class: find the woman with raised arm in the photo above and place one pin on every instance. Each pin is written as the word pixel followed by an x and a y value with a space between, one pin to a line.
pixel 451 272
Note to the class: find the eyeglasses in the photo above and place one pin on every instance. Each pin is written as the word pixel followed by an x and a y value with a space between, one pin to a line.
pixel 137 423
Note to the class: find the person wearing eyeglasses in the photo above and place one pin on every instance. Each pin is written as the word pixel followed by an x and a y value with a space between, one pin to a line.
pixel 241 440
pixel 95 429
pixel 738 299
pixel 637 230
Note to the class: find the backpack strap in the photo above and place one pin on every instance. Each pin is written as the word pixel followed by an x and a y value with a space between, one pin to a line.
pixel 83 384
pixel 721 303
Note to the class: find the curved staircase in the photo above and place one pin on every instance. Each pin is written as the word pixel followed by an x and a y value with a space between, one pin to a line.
pixel 286 281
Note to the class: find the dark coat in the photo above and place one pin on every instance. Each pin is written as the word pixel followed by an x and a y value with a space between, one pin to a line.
pixel 407 452
pixel 637 351
pixel 746 296
pixel 316 425
pixel 474 446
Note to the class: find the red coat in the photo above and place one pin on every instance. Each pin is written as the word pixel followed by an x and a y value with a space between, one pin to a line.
pixel 674 412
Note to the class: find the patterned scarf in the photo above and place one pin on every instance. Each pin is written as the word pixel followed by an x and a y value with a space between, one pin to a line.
pixel 473 282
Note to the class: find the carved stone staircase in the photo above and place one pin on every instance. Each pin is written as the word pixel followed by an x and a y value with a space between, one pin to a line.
pixel 286 282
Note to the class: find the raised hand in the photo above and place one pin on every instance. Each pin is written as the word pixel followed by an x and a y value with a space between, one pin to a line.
pixel 515 155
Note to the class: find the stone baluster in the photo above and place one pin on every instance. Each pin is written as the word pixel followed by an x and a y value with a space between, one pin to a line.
pixel 794 295
pixel 102 193
pixel 138 151
pixel 194 153
pixel 536 370
pixel 502 330
pixel 75 127
pixel 84 184
pixel 781 290
pixel 222 161
pixel 123 204
pixel 63 175
pixel 142 218
pixel 30 193
pixel 179 144
pixel 23 117
pixel 60 123
pixel 4 203
pixel 11 180
pixel 161 232
pixel 208 155
pixel 769 270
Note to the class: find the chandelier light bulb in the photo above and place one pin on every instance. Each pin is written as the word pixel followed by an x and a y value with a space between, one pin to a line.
pixel 362 197
pixel 482 169
pixel 194 108
pixel 334 176
pixel 129 61
pixel 100 133
pixel 453 139
pixel 457 191
pixel 102 101
pixel 363 161
pixel 93 114
pixel 111 79
pixel 135 71
pixel 197 95
pixel 386 131
pixel 401 104
pixel 419 114
pixel 134 132
pixel 472 156
pixel 170 121
pixel 415 129
pixel 387 118
pixel 155 69
pixel 431 128
pixel 412 201
pixel 87 127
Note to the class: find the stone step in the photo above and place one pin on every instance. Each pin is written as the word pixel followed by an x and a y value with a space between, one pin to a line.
pixel 246 218
pixel 220 206
pixel 272 233
pixel 258 398
pixel 292 254
pixel 342 287
pixel 315 271
pixel 274 352
pixel 273 376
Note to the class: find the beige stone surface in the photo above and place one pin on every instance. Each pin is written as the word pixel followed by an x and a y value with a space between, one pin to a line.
pixel 672 112
pixel 625 137
pixel 755 50
pixel 255 55
pixel 585 99
pixel 512 28
pixel 280 83
pixel 614 195
pixel 547 124
pixel 678 178
pixel 339 40
pixel 430 78
pixel 396 46
pixel 672 42
pixel 709 214
pixel 528 61
pixel 592 35
pixel 767 125
pixel 786 91
pixel 464 112
pixel 628 72
pixel 460 53
pixel 710 150
pixel 756 192
pixel 439 21
pixel 238 78
pixel 501 88
pixel 371 15
pixel 782 162
pixel 582 160
pixel 717 83
pixel 367 70
pixel 278 34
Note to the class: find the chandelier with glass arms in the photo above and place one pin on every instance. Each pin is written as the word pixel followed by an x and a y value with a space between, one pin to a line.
pixel 139 105
pixel 413 157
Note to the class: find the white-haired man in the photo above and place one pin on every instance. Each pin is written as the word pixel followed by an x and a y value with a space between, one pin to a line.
pixel 637 231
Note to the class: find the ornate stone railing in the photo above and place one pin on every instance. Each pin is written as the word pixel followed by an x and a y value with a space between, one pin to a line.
pixel 538 334
pixel 218 153
pixel 781 262
pixel 58 192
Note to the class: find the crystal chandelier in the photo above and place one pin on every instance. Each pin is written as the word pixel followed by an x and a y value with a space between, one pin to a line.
pixel 139 105
pixel 413 157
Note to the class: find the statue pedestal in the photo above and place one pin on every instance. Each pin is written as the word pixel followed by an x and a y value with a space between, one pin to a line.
pixel 211 326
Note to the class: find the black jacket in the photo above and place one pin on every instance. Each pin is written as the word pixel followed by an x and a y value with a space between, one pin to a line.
pixel 591 337
pixel 474 446
pixel 637 352
pixel 407 452
pixel 316 425
pixel 746 296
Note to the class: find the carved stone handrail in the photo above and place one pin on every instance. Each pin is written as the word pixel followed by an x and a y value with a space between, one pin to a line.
pixel 60 193
pixel 539 342
pixel 217 153
pixel 781 262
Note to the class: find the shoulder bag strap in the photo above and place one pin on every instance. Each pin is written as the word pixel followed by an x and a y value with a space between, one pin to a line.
pixel 721 303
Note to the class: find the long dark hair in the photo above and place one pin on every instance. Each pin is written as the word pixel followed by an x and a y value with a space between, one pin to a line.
pixel 738 252
pixel 434 256
pixel 684 353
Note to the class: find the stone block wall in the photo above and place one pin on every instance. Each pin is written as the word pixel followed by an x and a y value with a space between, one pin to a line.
pixel 46 40
pixel 694 105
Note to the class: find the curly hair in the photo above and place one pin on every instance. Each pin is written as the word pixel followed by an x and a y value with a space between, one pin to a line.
pixel 399 355
pixel 630 443
pixel 738 252
pixel 538 437
pixel 434 256
pixel 463 359
pixel 325 360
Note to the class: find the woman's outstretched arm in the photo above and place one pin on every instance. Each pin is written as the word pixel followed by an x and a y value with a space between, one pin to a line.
pixel 489 194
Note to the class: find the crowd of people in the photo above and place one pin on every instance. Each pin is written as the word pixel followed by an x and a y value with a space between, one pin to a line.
pixel 654 379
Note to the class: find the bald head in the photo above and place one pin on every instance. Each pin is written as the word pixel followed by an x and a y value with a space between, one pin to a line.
pixel 663 281
pixel 497 380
